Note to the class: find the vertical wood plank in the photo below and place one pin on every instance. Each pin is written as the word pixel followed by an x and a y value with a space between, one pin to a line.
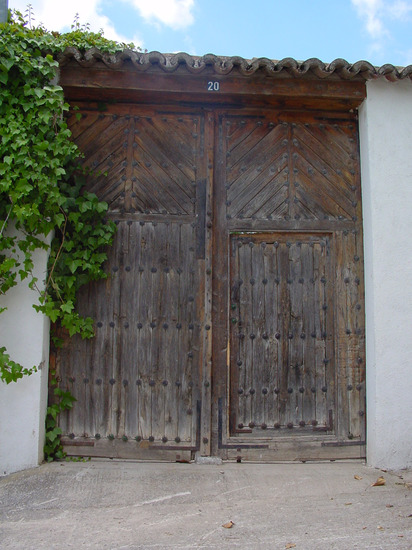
pixel 130 350
pixel 308 332
pixel 205 278
pixel 138 326
pixel 155 383
pixel 187 357
pixel 284 324
pixel 125 354
pixel 295 364
pixel 170 417
pixel 257 330
pixel 145 375
pixel 321 334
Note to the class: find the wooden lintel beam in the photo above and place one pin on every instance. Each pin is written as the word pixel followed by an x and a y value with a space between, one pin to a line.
pixel 210 88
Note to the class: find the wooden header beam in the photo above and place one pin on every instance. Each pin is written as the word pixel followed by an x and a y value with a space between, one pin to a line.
pixel 100 83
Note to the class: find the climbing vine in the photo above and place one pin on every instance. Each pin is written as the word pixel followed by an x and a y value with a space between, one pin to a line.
pixel 42 182
pixel 63 401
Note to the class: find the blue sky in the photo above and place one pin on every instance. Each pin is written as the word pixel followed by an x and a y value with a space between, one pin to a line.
pixel 379 31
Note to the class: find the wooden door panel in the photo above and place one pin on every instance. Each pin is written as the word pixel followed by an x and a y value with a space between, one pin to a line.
pixel 138 376
pixel 282 333
pixel 300 170
pixel 137 383
pixel 289 245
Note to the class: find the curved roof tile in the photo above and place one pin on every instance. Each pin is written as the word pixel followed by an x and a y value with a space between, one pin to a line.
pixel 339 68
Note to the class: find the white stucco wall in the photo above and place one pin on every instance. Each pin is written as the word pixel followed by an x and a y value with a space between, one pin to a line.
pixel 386 156
pixel 25 333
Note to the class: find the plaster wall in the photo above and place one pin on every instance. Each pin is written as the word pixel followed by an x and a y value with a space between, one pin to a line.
pixel 386 157
pixel 25 334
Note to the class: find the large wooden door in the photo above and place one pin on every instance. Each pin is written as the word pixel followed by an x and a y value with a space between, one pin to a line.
pixel 232 319
pixel 288 295
pixel 138 382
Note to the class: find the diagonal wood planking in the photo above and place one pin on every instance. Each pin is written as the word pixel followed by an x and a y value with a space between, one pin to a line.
pixel 138 378
pixel 164 166
pixel 141 164
pixel 256 169
pixel 322 173
pixel 290 170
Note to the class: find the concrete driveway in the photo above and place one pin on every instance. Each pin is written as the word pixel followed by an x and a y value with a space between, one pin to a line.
pixel 128 505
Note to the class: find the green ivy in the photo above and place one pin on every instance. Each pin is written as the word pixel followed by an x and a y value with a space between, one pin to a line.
pixel 63 401
pixel 41 180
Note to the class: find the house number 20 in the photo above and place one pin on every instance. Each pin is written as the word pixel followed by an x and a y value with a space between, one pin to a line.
pixel 213 86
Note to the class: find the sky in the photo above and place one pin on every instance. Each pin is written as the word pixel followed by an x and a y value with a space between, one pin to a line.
pixel 379 31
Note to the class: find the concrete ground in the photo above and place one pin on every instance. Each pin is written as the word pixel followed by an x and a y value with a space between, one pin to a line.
pixel 129 505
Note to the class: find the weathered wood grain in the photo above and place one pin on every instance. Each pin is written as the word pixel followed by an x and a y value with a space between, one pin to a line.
pixel 154 86
pixel 140 376
pixel 303 295
pixel 236 281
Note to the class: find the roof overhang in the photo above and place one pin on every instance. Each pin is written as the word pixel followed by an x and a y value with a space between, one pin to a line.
pixel 181 78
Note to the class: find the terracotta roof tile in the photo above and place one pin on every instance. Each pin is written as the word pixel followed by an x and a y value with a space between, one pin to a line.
pixel 339 68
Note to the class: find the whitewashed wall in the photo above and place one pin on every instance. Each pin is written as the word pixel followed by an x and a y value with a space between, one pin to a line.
pixel 23 404
pixel 386 156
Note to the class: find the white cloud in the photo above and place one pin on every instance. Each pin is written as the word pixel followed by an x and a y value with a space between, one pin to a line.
pixel 371 12
pixel 176 14
pixel 59 15
pixel 400 9
pixel 374 12
pixel 190 47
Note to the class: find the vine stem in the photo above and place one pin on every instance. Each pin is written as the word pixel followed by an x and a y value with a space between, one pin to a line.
pixel 7 217
pixel 58 254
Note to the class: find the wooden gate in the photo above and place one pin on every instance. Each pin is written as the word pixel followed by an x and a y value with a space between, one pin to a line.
pixel 232 319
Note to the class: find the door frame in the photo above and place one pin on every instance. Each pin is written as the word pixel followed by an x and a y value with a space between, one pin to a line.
pixel 236 91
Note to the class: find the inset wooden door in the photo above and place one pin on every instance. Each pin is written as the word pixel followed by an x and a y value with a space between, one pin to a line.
pixel 282 333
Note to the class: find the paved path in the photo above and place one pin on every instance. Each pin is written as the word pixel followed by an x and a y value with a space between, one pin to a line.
pixel 127 505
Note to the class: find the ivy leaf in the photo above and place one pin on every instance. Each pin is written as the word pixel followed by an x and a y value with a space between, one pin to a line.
pixel 59 219
pixel 38 92
pixel 67 307
pixel 53 434
pixel 42 146
pixel 6 63
pixel 50 310
pixel 74 264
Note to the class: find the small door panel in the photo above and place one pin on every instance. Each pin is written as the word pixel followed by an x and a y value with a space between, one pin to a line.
pixel 282 348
